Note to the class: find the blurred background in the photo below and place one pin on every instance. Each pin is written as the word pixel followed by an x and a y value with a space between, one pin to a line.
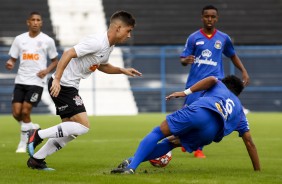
pixel 159 37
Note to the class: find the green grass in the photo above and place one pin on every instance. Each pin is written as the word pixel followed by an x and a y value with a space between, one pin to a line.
pixel 90 157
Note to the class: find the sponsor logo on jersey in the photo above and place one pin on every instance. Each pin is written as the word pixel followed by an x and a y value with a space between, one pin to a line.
pixel 30 56
pixel 200 43
pixel 93 67
pixel 34 97
pixel 204 58
pixel 78 100
pixel 217 44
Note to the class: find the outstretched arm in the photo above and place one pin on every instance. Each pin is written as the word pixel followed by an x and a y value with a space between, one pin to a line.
pixel 252 150
pixel 203 84
pixel 110 69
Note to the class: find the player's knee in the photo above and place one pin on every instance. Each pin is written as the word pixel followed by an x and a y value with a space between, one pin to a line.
pixel 17 115
pixel 81 129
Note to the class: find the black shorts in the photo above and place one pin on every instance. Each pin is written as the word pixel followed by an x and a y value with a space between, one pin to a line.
pixel 28 93
pixel 68 103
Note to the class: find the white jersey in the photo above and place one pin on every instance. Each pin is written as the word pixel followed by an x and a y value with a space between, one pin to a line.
pixel 33 57
pixel 92 51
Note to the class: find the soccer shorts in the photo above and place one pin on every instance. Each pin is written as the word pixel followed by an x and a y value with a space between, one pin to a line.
pixel 195 126
pixel 28 93
pixel 68 103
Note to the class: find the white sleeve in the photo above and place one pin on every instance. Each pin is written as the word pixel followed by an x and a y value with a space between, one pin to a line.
pixel 87 46
pixel 15 50
pixel 52 50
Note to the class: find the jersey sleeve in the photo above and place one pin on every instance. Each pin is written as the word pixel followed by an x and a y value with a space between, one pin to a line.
pixel 228 48
pixel 189 47
pixel 15 50
pixel 87 46
pixel 52 50
pixel 243 126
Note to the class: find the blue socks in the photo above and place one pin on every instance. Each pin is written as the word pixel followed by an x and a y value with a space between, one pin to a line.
pixel 161 149
pixel 146 148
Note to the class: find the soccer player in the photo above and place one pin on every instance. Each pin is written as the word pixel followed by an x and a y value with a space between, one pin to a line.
pixel 75 64
pixel 214 115
pixel 203 50
pixel 32 48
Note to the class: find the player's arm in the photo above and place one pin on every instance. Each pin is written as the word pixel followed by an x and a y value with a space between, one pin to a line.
pixel 237 62
pixel 110 69
pixel 52 66
pixel 62 64
pixel 203 84
pixel 252 150
pixel 187 60
pixel 10 64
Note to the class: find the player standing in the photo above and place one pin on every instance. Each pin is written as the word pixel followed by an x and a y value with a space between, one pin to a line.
pixel 32 48
pixel 75 64
pixel 203 50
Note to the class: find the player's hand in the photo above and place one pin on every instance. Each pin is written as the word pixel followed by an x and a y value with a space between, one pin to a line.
pixel 175 95
pixel 55 88
pixel 131 72
pixel 10 65
pixel 246 79
pixel 188 60
pixel 42 73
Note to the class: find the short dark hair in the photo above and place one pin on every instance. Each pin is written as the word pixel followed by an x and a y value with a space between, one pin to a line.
pixel 234 84
pixel 209 7
pixel 125 17
pixel 33 13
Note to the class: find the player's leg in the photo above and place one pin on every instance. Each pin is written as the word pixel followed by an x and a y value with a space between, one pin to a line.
pixel 37 161
pixel 64 129
pixel 145 148
pixel 17 105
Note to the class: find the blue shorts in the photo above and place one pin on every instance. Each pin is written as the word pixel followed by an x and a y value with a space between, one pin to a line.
pixel 195 126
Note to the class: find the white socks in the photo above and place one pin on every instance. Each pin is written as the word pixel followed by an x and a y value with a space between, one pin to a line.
pixel 51 146
pixel 63 129
pixel 25 127
pixel 59 136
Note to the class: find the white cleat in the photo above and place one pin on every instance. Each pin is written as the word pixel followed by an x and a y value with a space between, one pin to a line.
pixel 21 149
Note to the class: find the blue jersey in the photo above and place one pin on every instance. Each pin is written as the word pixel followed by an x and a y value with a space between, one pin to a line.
pixel 221 100
pixel 208 55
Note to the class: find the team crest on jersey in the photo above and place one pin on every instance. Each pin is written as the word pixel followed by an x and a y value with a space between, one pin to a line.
pixel 206 53
pixel 217 44
pixel 39 44
pixel 78 100
pixel 34 97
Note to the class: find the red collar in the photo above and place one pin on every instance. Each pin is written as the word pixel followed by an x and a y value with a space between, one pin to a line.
pixel 201 30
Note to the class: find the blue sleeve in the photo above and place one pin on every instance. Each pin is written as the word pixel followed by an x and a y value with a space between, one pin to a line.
pixel 229 50
pixel 189 47
pixel 243 126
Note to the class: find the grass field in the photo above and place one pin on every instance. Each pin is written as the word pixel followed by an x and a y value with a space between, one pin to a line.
pixel 90 157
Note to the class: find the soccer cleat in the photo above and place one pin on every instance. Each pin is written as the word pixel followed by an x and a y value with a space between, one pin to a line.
pixel 21 148
pixel 124 164
pixel 122 171
pixel 33 141
pixel 183 149
pixel 199 154
pixel 38 164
